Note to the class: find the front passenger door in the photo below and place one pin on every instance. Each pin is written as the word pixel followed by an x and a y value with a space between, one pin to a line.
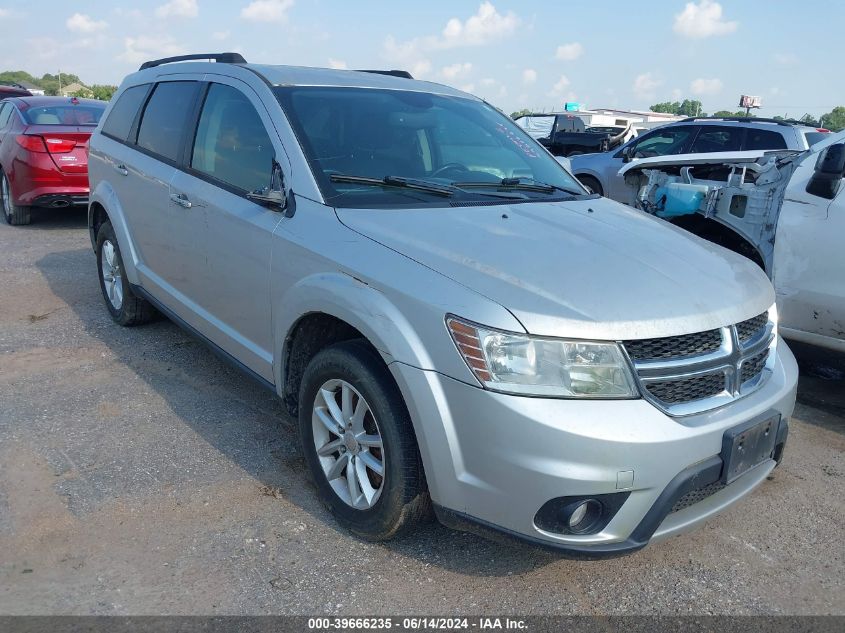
pixel 232 155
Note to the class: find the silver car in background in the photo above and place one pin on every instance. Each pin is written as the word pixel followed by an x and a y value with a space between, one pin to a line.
pixel 456 324
pixel 600 172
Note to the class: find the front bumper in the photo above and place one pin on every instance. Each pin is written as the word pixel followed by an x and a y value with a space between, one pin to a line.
pixel 492 460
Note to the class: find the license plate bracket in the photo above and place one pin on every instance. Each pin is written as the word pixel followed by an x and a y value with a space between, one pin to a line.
pixel 747 445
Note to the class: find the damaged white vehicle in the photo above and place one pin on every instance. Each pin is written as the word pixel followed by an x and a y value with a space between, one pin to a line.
pixel 783 209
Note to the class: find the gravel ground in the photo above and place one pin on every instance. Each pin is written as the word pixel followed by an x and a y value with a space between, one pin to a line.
pixel 141 475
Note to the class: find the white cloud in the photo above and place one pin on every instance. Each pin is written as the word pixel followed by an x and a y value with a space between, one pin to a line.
pixel 267 10
pixel 467 87
pixel 145 47
pixel 456 70
pixel 701 86
pixel 178 9
pixel 677 93
pixel 219 36
pixel 703 20
pixel 646 85
pixel 338 64
pixel 4 13
pixel 560 85
pixel 81 23
pixel 486 25
pixel 569 52
pixel 529 76
pixel 421 68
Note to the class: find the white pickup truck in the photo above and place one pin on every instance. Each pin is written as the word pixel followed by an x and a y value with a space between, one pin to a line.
pixel 783 209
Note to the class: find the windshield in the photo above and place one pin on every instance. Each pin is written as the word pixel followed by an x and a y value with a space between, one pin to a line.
pixel 65 114
pixel 434 141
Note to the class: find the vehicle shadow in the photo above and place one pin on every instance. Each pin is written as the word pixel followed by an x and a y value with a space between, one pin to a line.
pixel 821 384
pixel 183 371
pixel 43 219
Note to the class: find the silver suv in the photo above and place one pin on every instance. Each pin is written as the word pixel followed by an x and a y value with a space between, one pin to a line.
pixel 456 324
pixel 600 172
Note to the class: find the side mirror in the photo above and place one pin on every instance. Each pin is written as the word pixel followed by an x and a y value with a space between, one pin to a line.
pixel 275 196
pixel 830 169
pixel 627 153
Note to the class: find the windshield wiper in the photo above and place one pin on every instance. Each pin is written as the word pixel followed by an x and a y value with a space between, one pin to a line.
pixel 517 183
pixel 396 181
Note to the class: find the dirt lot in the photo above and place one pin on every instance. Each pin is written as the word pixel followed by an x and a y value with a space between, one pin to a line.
pixel 139 474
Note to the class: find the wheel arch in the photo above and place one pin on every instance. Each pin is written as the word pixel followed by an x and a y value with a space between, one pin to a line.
pixel 104 205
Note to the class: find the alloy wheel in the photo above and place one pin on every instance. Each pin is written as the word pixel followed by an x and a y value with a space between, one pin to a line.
pixel 112 274
pixel 348 444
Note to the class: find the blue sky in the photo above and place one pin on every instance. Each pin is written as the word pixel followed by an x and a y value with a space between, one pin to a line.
pixel 532 54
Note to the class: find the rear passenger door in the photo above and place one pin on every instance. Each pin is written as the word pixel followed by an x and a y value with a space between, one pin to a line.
pixel 166 237
pixel 233 146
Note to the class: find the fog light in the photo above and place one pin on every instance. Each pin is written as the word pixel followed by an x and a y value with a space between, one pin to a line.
pixel 584 516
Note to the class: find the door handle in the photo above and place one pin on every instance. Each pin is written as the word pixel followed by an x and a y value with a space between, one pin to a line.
pixel 181 199
pixel 121 169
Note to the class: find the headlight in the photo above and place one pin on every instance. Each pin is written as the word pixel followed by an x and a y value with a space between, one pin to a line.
pixel 522 364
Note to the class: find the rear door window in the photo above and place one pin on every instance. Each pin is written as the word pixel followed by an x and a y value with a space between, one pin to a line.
pixel 764 139
pixel 232 145
pixel 164 119
pixel 123 113
pixel 717 138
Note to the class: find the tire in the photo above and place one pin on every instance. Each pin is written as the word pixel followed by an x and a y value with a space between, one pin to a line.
pixel 12 213
pixel 124 306
pixel 399 497
pixel 592 183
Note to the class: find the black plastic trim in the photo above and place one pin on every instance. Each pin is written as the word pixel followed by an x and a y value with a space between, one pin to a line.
pixel 691 478
pixel 215 349
pixel 220 58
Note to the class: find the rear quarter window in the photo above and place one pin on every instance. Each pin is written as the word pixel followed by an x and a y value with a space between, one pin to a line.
pixel 123 113
pixel 764 139
pixel 815 137
pixel 164 119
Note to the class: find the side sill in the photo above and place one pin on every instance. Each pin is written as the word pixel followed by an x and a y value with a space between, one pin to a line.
pixel 215 349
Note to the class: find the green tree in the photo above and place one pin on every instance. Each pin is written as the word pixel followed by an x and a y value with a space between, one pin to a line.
pixel 520 113
pixel 727 113
pixel 687 107
pixel 102 92
pixel 834 120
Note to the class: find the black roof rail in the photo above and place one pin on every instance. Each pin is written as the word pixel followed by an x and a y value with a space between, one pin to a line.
pixel 404 74
pixel 739 119
pixel 220 58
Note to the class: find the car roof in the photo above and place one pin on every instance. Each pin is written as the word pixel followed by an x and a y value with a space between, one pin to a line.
pixel 303 76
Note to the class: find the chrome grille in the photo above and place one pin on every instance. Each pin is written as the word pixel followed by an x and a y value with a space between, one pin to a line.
pixel 688 374
pixel 747 330
pixel 675 346
pixel 753 366
pixel 688 389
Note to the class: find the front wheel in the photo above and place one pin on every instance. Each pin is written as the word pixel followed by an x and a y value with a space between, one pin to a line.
pixel 591 183
pixel 359 443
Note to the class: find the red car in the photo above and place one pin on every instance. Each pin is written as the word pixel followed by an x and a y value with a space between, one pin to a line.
pixel 44 153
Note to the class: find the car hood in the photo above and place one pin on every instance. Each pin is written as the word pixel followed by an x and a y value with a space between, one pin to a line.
pixel 712 158
pixel 584 269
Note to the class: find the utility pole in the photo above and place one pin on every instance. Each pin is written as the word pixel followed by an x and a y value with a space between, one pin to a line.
pixel 60 82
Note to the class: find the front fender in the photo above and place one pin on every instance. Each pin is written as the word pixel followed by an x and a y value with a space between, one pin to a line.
pixel 360 305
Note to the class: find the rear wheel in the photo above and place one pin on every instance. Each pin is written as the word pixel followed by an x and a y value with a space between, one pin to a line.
pixel 124 306
pixel 359 444
pixel 13 214
pixel 591 183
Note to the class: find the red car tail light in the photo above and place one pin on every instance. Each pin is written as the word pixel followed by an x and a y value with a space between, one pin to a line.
pixel 59 145
pixel 31 142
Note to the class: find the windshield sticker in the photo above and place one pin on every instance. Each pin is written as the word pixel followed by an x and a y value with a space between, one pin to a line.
pixel 526 148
